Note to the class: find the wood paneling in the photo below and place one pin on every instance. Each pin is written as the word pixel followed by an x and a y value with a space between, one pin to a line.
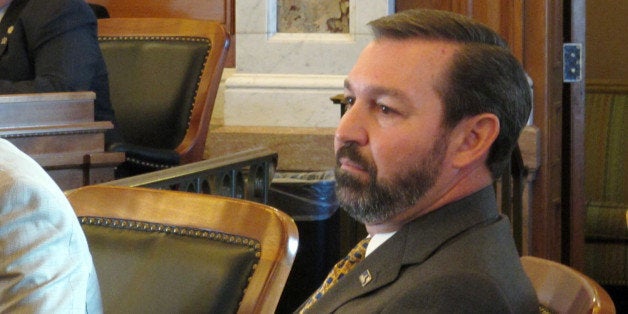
pixel 542 53
pixel 446 5
pixel 194 9
pixel 574 196
pixel 504 16
pixel 222 11
pixel 607 39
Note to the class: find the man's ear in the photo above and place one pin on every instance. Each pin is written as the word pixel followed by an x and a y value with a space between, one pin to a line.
pixel 473 139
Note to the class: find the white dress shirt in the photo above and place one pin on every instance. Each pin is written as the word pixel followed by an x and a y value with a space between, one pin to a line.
pixel 45 263
pixel 377 240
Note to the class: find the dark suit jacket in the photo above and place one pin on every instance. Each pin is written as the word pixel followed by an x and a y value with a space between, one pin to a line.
pixel 458 259
pixel 53 47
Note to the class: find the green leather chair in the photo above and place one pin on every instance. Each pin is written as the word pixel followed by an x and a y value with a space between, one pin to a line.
pixel 162 251
pixel 164 75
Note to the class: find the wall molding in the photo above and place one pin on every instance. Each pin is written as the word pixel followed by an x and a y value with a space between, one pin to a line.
pixel 607 86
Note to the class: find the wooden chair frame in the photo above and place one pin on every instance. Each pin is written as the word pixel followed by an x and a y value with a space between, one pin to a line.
pixel 275 230
pixel 564 289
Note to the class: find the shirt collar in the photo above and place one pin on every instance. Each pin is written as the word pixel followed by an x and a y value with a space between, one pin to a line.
pixel 377 240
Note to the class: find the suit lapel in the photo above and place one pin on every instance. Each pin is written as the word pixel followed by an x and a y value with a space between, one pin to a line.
pixel 378 269
pixel 411 245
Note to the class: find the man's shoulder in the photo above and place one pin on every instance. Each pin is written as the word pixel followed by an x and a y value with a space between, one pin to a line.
pixel 42 12
pixel 22 179
pixel 15 164
pixel 56 4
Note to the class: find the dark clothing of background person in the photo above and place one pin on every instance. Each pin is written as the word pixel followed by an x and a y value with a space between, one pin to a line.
pixel 52 46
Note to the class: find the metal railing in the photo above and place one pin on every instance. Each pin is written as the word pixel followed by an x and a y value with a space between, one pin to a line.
pixel 245 175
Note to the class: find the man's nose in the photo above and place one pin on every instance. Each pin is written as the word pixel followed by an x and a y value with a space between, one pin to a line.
pixel 352 127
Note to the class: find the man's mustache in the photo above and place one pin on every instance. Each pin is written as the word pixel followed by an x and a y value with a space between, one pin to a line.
pixel 351 152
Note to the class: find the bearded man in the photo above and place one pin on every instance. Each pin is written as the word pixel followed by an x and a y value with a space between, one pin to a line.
pixel 435 106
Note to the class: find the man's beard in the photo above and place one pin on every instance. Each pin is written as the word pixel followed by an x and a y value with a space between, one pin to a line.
pixel 377 201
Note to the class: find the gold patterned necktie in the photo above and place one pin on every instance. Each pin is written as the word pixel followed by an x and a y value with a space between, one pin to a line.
pixel 340 269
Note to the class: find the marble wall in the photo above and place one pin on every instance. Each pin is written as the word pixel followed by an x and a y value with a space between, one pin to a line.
pixel 286 79
pixel 279 94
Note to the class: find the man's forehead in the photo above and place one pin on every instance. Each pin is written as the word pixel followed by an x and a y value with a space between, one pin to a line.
pixel 378 89
pixel 391 62
pixel 407 53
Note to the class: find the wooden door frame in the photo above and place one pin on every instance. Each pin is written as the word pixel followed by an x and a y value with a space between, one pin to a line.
pixel 543 24
pixel 574 191
pixel 558 205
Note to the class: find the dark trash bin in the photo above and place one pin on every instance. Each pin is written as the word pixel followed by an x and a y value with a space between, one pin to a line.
pixel 309 198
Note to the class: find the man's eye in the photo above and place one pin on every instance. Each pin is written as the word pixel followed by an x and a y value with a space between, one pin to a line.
pixel 348 102
pixel 384 109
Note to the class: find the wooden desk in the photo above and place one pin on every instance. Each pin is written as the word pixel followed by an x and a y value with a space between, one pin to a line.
pixel 58 131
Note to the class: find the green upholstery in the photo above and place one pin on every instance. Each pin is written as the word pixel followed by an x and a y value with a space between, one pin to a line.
pixel 606 249
pixel 153 83
pixel 606 147
pixel 147 267
pixel 606 185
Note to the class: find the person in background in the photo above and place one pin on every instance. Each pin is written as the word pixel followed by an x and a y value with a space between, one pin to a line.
pixel 45 263
pixel 52 46
pixel 435 105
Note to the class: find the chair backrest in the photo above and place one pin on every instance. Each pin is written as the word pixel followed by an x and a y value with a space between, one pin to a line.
pixel 162 251
pixel 100 11
pixel 164 74
pixel 563 289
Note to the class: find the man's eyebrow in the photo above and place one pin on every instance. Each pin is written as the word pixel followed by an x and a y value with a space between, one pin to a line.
pixel 379 90
pixel 347 84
